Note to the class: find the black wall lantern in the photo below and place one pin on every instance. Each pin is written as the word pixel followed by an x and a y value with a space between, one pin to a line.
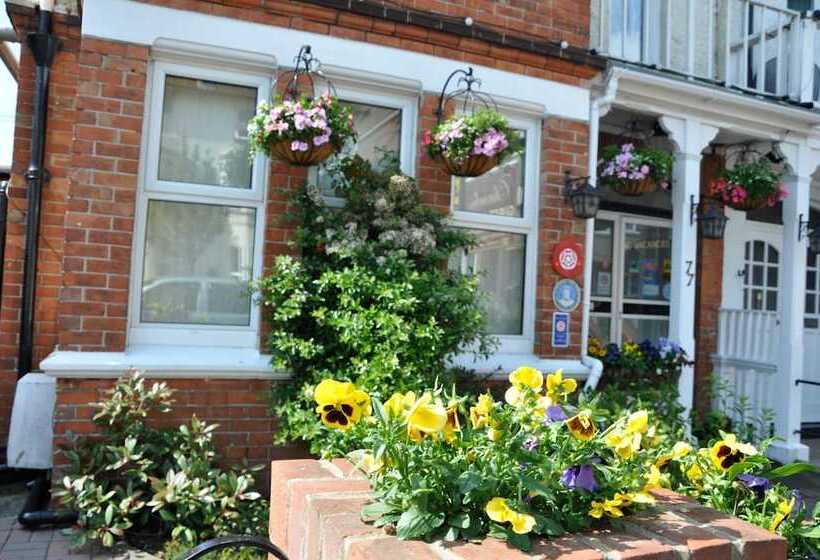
pixel 806 229
pixel 710 217
pixel 584 198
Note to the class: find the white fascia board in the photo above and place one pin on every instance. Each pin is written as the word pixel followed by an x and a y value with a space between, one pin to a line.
pixel 653 93
pixel 134 22
pixel 499 365
pixel 163 361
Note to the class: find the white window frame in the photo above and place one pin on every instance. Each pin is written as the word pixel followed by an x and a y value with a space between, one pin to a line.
pixel 617 299
pixel 526 225
pixel 371 94
pixel 150 187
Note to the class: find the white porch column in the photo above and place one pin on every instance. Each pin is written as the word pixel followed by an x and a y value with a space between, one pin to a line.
pixel 690 137
pixel 788 407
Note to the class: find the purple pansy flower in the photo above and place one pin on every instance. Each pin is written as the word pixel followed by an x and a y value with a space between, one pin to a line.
pixel 756 484
pixel 580 477
pixel 554 413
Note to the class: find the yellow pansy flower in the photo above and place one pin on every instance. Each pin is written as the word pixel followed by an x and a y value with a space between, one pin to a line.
pixel 624 444
pixel 637 423
pixel 426 417
pixel 480 413
pixel 368 463
pixel 514 396
pixel 729 451
pixel 527 377
pixel 494 434
pixel 680 450
pixel 453 426
pixel 612 508
pixel 784 509
pixel 653 479
pixel 694 473
pixel 581 426
pixel 499 511
pixel 559 388
pixel 399 404
pixel 340 404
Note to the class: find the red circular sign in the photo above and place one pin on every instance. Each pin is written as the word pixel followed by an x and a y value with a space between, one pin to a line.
pixel 568 258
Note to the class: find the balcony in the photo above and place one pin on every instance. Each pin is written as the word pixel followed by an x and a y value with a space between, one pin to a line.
pixel 759 47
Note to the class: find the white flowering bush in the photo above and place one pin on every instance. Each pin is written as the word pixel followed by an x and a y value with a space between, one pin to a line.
pixel 370 299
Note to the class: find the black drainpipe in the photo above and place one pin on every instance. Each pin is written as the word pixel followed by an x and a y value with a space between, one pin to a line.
pixel 43 47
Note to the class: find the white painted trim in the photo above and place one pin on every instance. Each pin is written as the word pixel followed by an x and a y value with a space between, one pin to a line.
pixel 150 188
pixel 500 364
pixel 176 362
pixel 114 20
pixel 185 52
pixel 527 224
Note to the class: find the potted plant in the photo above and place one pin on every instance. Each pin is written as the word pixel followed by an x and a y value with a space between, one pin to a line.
pixel 471 145
pixel 635 171
pixel 301 132
pixel 749 186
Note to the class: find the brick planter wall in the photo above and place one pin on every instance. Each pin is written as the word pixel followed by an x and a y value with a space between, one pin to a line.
pixel 315 515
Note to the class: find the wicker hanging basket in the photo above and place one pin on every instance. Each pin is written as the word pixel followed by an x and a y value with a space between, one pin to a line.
pixel 749 204
pixel 473 166
pixel 314 155
pixel 631 187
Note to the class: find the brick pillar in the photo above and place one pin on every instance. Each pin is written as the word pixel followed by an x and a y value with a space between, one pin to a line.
pixel 709 293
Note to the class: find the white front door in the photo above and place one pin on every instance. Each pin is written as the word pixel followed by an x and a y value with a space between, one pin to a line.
pixel 751 280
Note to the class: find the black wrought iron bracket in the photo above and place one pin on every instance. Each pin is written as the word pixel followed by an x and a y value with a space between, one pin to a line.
pixel 804 229
pixel 806 382
pixel 467 77
pixel 572 184
pixel 223 543
pixel 693 210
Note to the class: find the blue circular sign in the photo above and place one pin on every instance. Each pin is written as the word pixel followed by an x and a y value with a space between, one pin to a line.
pixel 566 295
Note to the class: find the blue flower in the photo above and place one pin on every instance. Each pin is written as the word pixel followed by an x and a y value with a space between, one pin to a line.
pixel 554 413
pixel 580 477
pixel 756 484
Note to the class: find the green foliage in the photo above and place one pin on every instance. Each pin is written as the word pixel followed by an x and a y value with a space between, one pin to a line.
pixel 140 480
pixel 625 162
pixel 370 300
pixel 759 178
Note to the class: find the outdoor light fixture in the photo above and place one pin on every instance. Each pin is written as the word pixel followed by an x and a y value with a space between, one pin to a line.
pixel 710 217
pixel 584 197
pixel 806 229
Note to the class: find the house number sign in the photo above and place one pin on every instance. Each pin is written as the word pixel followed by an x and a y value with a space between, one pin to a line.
pixel 568 258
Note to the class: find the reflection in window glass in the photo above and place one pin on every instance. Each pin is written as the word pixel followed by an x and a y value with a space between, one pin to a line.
pixel 638 330
pixel 498 259
pixel 647 262
pixel 204 136
pixel 499 192
pixel 198 262
pixel 600 328
pixel 379 141
pixel 602 258
pixel 626 45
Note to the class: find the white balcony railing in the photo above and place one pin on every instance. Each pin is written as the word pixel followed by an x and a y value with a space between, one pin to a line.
pixel 758 46
pixel 748 336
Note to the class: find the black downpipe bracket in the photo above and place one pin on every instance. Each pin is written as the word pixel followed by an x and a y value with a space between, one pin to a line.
pixel 34 512
pixel 43 47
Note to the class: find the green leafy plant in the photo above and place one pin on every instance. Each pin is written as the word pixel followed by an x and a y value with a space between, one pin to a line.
pixel 730 412
pixel 655 362
pixel 451 467
pixel 484 133
pixel 147 485
pixel 370 299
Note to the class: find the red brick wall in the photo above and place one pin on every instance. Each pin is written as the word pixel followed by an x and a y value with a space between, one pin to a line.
pixel 95 122
pixel 58 150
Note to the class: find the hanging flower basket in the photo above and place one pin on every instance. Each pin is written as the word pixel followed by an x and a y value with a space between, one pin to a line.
pixel 749 186
pixel 634 187
pixel 292 152
pixel 301 132
pixel 471 145
pixel 632 171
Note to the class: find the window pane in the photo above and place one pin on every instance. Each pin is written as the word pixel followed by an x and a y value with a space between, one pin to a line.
pixel 811 280
pixel 810 304
pixel 638 330
pixel 647 258
pixel 204 133
pixel 499 192
pixel 757 275
pixel 759 250
pixel 498 259
pixel 771 280
pixel 379 141
pixel 599 327
pixel 198 262
pixel 771 300
pixel 602 258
